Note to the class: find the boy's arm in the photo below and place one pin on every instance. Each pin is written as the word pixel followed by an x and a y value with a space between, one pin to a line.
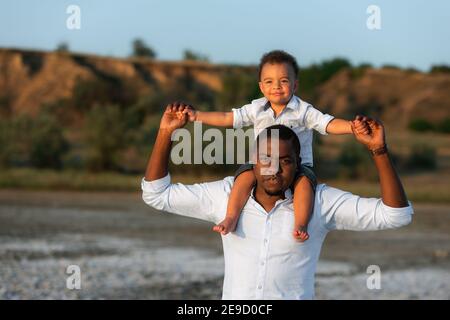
pixel 339 126
pixel 213 118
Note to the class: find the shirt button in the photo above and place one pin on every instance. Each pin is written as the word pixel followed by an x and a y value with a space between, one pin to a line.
pixel 260 287
pixel 265 241
pixel 262 263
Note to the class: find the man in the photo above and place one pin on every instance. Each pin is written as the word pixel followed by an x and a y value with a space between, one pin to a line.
pixel 262 260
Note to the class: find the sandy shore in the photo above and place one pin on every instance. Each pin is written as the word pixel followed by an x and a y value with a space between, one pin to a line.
pixel 126 250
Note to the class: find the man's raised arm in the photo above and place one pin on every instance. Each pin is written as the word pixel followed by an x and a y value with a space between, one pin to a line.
pixel 392 192
pixel 172 119
pixel 205 201
pixel 343 210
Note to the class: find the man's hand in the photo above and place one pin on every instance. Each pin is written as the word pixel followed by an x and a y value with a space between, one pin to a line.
pixel 173 117
pixel 371 135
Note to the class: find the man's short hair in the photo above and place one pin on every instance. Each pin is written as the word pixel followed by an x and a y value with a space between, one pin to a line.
pixel 278 56
pixel 285 134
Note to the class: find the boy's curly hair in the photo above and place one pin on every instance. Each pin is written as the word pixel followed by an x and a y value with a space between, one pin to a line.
pixel 278 56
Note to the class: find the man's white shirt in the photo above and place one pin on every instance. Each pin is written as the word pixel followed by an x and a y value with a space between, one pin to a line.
pixel 298 115
pixel 262 260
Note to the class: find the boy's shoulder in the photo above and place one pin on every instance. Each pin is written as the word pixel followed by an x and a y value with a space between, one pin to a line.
pixel 302 103
pixel 260 102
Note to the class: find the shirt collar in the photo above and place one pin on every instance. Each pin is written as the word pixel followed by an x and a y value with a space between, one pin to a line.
pixel 292 104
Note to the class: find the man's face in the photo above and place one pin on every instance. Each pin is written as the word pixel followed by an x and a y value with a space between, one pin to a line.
pixel 278 82
pixel 278 180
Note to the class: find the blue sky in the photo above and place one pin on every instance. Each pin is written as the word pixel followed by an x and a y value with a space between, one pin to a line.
pixel 414 33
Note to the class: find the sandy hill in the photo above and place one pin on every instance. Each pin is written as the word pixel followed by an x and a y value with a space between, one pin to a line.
pixel 28 79
pixel 395 95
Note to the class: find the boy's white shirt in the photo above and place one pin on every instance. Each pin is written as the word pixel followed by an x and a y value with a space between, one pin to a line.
pixel 298 115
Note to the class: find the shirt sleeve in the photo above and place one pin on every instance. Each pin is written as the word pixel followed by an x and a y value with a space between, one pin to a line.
pixel 204 201
pixel 243 116
pixel 314 119
pixel 343 210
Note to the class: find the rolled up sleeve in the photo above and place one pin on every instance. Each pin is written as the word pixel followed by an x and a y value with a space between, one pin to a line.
pixel 243 116
pixel 204 201
pixel 314 119
pixel 346 211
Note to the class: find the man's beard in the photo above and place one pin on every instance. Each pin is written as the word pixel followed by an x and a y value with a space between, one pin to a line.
pixel 274 192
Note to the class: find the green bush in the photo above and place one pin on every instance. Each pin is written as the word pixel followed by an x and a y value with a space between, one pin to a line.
pixel 87 93
pixel 238 89
pixel 48 144
pixel 444 126
pixel 316 74
pixel 420 125
pixel 354 162
pixel 422 157
pixel 152 104
pixel 104 137
pixel 390 66
pixel 37 142
pixel 440 69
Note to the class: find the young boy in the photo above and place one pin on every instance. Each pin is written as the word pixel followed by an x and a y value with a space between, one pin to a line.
pixel 278 82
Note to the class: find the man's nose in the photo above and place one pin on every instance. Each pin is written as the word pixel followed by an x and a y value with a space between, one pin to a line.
pixel 274 167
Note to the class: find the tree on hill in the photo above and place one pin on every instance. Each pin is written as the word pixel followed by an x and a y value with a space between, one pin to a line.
pixel 440 69
pixel 62 47
pixel 314 75
pixel 141 49
pixel 191 55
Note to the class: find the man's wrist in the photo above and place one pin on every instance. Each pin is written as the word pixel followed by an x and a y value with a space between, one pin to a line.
pixel 378 150
pixel 165 132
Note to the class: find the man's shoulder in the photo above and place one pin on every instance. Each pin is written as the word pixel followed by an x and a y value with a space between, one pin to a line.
pixel 328 196
pixel 221 188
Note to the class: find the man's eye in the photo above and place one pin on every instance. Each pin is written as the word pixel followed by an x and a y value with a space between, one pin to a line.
pixel 286 161
pixel 264 159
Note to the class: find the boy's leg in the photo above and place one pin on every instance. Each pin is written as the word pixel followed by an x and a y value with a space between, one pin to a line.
pixel 304 193
pixel 240 192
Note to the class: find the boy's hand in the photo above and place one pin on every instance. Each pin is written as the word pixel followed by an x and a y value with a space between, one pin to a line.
pixel 361 125
pixel 372 137
pixel 191 113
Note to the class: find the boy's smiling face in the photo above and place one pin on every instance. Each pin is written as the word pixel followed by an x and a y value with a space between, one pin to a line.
pixel 278 83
